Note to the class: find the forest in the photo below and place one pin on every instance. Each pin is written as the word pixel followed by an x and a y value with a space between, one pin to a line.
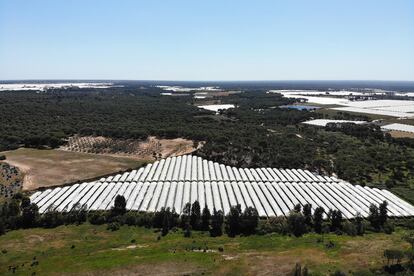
pixel 255 134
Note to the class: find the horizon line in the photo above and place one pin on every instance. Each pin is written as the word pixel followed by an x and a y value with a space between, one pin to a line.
pixel 164 80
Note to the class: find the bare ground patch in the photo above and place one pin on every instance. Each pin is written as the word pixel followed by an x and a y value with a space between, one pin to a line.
pixel 168 268
pixel 44 168
pixel 282 263
pixel 401 134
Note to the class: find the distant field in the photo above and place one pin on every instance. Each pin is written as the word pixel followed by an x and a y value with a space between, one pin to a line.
pixel 401 134
pixel 332 112
pixel 93 250
pixel 143 149
pixel 53 167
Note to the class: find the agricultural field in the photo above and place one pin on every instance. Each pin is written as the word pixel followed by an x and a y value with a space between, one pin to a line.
pixel 150 148
pixel 44 168
pixel 401 134
pixel 93 250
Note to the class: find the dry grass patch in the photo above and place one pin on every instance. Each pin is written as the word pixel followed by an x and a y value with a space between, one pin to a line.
pixel 44 168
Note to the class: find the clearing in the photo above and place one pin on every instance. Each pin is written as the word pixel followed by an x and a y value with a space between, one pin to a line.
pixel 44 168
pixel 93 250
pixel 151 148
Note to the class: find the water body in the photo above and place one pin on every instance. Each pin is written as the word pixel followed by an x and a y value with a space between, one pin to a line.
pixel 300 107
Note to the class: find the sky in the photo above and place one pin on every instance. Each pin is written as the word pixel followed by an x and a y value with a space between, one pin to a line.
pixel 207 40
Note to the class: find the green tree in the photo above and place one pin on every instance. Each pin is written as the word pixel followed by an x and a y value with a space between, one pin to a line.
pixel 119 206
pixel 373 217
pixel 249 221
pixel 217 223
pixel 318 219
pixel 233 220
pixel 382 213
pixel 205 219
pixel 185 215
pixel 297 225
pixel 307 213
pixel 30 216
pixel 195 218
pixel 359 224
pixel 336 220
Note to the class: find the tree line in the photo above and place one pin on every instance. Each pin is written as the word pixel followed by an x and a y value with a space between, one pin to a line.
pixel 19 212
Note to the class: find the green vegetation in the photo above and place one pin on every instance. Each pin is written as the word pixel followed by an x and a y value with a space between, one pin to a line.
pixel 93 249
pixel 137 241
pixel 256 134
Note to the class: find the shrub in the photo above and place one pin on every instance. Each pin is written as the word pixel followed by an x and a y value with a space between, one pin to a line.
pixel 130 218
pixel 388 227
pixel 2 157
pixel 349 228
pixel 98 217
pixel 52 219
pixel 273 225
pixel 297 224
pixel 113 226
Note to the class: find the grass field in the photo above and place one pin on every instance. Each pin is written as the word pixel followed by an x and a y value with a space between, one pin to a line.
pixel 93 250
pixel 54 167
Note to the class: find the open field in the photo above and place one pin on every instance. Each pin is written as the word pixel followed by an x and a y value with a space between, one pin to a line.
pixel 53 167
pixel 93 250
pixel 401 134
pixel 149 148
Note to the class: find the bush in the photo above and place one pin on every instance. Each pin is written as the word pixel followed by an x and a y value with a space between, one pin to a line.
pixel 297 224
pixel 2 157
pixel 273 225
pixel 130 218
pixel 388 227
pixel 52 219
pixel 349 229
pixel 113 226
pixel 98 217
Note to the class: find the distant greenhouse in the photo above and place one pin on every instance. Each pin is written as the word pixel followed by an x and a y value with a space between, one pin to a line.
pixel 175 181
pixel 324 122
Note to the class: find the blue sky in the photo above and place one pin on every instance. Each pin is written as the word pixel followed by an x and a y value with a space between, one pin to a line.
pixel 207 40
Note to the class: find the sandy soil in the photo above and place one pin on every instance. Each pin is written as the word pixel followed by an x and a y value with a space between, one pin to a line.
pixel 401 134
pixel 44 168
pixel 89 157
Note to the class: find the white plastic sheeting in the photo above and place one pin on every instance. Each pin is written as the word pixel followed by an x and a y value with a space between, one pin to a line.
pixel 173 182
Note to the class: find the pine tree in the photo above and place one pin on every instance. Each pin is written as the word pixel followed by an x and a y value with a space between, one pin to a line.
pixel 249 221
pixel 233 220
pixel 373 217
pixel 307 213
pixel 205 219
pixel 217 223
pixel 383 213
pixel 318 219
pixel 195 218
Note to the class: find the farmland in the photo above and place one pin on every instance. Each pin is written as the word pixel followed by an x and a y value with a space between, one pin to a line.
pixel 44 168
